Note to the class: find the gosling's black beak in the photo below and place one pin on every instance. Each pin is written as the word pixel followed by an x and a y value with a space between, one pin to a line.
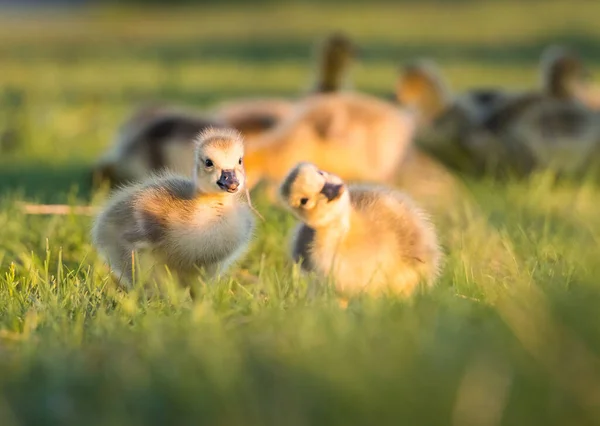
pixel 332 191
pixel 228 181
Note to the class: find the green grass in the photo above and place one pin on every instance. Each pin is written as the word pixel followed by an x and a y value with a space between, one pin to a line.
pixel 509 336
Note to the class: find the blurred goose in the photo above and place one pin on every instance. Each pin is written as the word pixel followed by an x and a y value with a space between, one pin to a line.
pixel 159 137
pixel 356 136
pixel 551 128
pixel 446 120
pixel 366 238
pixel 155 138
pixel 521 130
pixel 188 224
pixel 334 58
pixel 422 87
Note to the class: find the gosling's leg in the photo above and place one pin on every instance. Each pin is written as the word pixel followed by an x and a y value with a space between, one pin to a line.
pixel 120 259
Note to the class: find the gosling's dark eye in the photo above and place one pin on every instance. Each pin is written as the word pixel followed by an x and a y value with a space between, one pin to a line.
pixel 303 201
pixel 208 162
pixel 240 161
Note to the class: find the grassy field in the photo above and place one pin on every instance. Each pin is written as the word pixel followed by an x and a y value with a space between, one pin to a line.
pixel 509 336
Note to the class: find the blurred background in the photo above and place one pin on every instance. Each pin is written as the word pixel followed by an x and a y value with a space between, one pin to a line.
pixel 510 335
pixel 71 71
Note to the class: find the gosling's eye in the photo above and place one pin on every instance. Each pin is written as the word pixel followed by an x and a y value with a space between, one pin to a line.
pixel 303 201
pixel 208 162
pixel 240 161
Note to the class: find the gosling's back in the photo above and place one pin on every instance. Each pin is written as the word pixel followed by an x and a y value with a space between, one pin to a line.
pixel 355 136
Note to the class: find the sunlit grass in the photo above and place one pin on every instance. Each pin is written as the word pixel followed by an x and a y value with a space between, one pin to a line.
pixel 509 335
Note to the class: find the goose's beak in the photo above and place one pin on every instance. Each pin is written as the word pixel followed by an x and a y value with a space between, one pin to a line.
pixel 332 190
pixel 228 181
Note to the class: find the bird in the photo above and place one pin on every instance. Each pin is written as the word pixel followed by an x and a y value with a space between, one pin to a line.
pixel 192 225
pixel 365 238
pixel 355 135
pixel 334 58
pixel 157 136
pixel 422 87
pixel 489 130
pixel 550 128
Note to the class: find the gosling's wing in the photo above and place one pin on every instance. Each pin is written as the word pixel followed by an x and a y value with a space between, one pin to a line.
pixel 169 129
pixel 561 134
pixel 166 200
pixel 251 116
pixel 501 118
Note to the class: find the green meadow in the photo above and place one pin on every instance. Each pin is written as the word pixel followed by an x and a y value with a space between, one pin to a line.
pixel 509 336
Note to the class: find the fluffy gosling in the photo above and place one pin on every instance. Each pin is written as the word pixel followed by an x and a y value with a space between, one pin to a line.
pixel 356 136
pixel 158 137
pixel 189 224
pixel 367 239
pixel 548 128
pixel 422 87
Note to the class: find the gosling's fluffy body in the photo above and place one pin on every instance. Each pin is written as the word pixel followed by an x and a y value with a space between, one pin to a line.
pixel 254 116
pixel 447 121
pixel 356 136
pixel 189 225
pixel 365 238
pixel 551 128
pixel 486 130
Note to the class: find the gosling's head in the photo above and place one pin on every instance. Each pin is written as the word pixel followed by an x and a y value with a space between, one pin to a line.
pixel 563 72
pixel 421 86
pixel 219 161
pixel 314 196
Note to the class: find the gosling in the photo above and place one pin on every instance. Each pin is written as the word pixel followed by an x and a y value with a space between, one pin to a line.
pixel 334 57
pixel 548 128
pixel 158 137
pixel 190 225
pixel 366 238
pixel 333 130
pixel 422 87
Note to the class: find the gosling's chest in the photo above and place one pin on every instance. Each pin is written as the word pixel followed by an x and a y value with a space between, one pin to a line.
pixel 351 256
pixel 211 236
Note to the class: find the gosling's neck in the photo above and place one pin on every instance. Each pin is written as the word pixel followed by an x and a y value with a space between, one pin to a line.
pixel 222 198
pixel 330 76
pixel 427 100
pixel 556 84
pixel 337 227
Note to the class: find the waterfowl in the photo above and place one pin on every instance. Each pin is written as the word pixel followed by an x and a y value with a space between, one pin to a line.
pixel 446 120
pixel 189 224
pixel 367 239
pixel 334 58
pixel 356 136
pixel 158 137
pixel 492 130
pixel 549 128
